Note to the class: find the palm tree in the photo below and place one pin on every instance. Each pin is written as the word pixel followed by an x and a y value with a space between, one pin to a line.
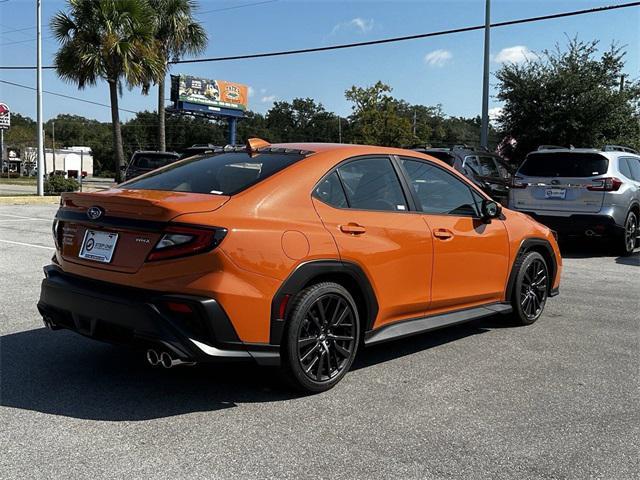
pixel 111 40
pixel 177 34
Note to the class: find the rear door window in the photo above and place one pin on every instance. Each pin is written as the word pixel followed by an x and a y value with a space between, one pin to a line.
pixel 372 184
pixel 564 164
pixel 624 167
pixel 222 174
pixel 634 165
pixel 330 191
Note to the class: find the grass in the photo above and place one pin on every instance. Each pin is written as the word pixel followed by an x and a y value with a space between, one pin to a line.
pixel 18 181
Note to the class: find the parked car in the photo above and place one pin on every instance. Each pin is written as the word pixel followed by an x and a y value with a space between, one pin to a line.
pixel 582 191
pixel 291 255
pixel 487 170
pixel 199 149
pixel 144 162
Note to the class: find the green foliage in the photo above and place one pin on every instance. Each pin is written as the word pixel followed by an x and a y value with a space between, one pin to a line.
pixel 57 184
pixel 176 31
pixel 376 118
pixel 571 97
pixel 111 40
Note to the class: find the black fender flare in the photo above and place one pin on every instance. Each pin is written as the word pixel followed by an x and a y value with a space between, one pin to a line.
pixel 304 274
pixel 526 245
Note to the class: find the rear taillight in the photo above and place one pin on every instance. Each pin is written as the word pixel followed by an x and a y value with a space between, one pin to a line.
pixel 181 241
pixel 608 184
pixel 56 229
pixel 517 182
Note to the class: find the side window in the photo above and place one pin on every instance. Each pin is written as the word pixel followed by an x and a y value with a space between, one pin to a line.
pixel 372 184
pixel 624 167
pixel 488 167
pixel 634 165
pixel 330 191
pixel 438 191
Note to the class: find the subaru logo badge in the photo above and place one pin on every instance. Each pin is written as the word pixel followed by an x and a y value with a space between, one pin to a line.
pixel 94 213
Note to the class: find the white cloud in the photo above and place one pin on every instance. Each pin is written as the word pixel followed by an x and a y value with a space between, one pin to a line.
pixel 361 25
pixel 268 99
pixel 515 54
pixel 494 114
pixel 438 58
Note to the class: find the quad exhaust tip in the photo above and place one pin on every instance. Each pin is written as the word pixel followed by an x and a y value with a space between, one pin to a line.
pixel 165 359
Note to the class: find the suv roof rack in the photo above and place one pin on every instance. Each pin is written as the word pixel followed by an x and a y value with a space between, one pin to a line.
pixel 552 147
pixel 619 148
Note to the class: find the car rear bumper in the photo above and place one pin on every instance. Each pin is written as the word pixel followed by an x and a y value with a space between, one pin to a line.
pixel 578 224
pixel 143 319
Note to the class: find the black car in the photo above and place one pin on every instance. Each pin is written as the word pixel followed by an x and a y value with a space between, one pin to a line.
pixel 143 162
pixel 487 170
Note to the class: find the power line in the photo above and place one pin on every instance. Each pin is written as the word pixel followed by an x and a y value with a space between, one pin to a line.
pixel 236 7
pixel 411 37
pixel 65 96
pixel 384 40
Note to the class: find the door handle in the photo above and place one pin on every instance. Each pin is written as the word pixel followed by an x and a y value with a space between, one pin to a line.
pixel 443 233
pixel 353 229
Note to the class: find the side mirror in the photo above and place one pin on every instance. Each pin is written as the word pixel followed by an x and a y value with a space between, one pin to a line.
pixel 490 209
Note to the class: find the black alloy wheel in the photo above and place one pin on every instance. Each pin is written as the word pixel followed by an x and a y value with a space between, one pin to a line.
pixel 321 338
pixel 531 288
pixel 630 234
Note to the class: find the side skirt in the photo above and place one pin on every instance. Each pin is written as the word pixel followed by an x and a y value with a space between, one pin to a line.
pixel 425 324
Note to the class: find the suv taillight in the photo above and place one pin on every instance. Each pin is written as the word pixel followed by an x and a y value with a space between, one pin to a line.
pixel 608 184
pixel 181 241
pixel 516 182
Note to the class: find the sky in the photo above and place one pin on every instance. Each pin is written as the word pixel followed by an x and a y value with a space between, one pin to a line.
pixel 444 70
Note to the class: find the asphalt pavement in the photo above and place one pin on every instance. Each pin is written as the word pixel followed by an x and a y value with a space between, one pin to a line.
pixel 558 399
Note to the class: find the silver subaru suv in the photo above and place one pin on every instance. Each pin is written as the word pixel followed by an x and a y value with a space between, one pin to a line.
pixel 582 191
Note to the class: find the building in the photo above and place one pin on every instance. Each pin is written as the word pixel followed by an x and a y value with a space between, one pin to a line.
pixel 68 160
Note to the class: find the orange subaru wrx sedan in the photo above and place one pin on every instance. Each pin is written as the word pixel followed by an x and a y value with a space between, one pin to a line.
pixel 293 255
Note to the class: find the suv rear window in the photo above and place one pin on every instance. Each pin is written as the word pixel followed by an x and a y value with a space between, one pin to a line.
pixel 564 164
pixel 153 161
pixel 222 174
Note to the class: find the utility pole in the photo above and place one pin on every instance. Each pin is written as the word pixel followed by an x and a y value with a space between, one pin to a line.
pixel 41 158
pixel 484 131
pixel 53 142
pixel 414 121
pixel 339 129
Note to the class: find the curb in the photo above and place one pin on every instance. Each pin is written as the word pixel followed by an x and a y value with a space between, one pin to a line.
pixel 30 200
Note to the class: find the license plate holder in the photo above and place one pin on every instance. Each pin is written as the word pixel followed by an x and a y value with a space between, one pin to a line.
pixel 98 246
pixel 555 193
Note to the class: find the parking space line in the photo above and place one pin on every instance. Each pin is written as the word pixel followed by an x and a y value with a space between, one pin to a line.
pixel 24 219
pixel 27 244
pixel 14 216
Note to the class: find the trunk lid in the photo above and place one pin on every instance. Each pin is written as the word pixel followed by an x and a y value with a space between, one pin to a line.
pixel 137 217
pixel 559 181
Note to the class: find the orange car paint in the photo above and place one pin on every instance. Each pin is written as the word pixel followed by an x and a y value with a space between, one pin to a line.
pixel 417 263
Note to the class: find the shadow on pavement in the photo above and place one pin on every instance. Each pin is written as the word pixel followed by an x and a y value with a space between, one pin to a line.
pixel 61 373
pixel 630 260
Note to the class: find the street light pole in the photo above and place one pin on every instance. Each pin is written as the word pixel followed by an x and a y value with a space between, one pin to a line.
pixel 484 131
pixel 41 158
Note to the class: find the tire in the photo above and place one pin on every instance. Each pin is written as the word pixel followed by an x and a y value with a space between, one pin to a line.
pixel 530 289
pixel 321 337
pixel 627 240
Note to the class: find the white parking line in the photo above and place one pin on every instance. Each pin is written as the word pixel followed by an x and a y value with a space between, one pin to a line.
pixel 14 216
pixel 27 244
pixel 25 219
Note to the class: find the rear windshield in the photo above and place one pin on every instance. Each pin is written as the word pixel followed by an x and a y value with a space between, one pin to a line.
pixel 153 160
pixel 564 164
pixel 222 174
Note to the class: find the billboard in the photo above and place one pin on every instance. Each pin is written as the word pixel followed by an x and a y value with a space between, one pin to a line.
pixel 212 93
pixel 5 116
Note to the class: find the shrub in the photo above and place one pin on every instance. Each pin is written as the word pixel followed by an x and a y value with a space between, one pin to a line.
pixel 57 184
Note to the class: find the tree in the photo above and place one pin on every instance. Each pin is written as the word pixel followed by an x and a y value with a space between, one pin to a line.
pixel 570 97
pixel 177 33
pixel 112 40
pixel 376 117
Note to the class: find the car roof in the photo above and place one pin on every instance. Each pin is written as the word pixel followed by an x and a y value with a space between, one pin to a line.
pixel 351 149
pixel 153 152
pixel 611 154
